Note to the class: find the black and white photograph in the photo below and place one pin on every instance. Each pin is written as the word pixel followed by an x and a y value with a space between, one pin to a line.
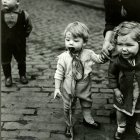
pixel 70 69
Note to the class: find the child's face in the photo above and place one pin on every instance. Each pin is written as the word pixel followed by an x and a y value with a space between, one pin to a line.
pixel 73 43
pixel 9 4
pixel 127 46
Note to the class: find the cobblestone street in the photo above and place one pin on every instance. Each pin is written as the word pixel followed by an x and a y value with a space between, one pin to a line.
pixel 29 112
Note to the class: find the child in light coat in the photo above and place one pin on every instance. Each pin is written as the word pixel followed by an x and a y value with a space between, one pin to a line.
pixel 74 67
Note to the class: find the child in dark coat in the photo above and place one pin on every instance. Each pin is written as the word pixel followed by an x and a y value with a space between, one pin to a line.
pixel 124 75
pixel 16 26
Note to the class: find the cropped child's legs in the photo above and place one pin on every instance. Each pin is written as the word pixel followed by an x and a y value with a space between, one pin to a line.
pixel 20 56
pixel 88 119
pixel 6 57
pixel 121 121
pixel 22 72
pixel 7 74
pixel 22 68
pixel 83 92
pixel 68 104
pixel 7 70
pixel 86 110
pixel 137 127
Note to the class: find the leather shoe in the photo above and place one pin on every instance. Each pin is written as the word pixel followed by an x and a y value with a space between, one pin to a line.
pixel 118 136
pixel 23 80
pixel 8 82
pixel 95 125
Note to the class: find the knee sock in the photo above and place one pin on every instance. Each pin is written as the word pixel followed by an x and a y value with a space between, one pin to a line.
pixel 121 127
pixel 137 128
pixel 87 115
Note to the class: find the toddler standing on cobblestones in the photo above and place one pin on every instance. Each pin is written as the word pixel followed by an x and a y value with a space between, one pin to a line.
pixel 74 67
pixel 124 75
pixel 16 26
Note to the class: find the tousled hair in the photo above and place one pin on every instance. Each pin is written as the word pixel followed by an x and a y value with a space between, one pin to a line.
pixel 126 28
pixel 78 29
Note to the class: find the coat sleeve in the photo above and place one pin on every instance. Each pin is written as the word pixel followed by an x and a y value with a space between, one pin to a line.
pixel 28 24
pixel 60 71
pixel 98 58
pixel 113 74
pixel 112 14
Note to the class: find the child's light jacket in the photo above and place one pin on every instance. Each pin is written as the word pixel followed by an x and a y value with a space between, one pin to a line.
pixel 64 68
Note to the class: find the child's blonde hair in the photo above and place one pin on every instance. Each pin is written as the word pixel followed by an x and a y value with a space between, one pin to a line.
pixel 126 28
pixel 78 29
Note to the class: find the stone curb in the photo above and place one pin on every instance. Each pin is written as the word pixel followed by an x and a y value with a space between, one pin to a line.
pixel 95 4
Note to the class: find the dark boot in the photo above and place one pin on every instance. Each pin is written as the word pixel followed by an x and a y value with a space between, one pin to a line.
pixel 6 70
pixel 88 119
pixel 23 79
pixel 8 82
pixel 7 73
pixel 95 125
pixel 22 72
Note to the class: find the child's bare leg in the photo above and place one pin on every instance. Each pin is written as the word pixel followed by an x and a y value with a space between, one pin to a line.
pixel 69 105
pixel 87 114
pixel 67 108
pixel 137 127
pixel 86 110
pixel 121 121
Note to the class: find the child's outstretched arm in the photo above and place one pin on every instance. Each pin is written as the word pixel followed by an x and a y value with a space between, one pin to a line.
pixel 57 92
pixel 99 58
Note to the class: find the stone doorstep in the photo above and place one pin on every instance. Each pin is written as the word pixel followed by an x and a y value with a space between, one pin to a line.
pixel 96 4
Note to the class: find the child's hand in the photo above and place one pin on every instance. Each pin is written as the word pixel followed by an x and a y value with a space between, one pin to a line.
pixel 119 96
pixel 107 48
pixel 57 93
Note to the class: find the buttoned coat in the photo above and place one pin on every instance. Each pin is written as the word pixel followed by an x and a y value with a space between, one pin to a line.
pixel 124 81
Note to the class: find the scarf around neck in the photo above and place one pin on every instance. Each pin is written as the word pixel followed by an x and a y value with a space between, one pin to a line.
pixel 77 67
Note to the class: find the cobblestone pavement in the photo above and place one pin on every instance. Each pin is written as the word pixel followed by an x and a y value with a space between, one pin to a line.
pixel 29 111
